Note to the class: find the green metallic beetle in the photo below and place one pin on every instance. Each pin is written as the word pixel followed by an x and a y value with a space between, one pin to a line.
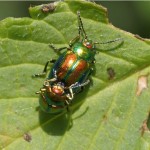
pixel 70 72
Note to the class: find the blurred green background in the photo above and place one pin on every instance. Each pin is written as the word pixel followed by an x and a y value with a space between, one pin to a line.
pixel 132 16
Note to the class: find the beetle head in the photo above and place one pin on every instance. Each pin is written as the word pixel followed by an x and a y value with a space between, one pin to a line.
pixel 58 89
pixel 88 44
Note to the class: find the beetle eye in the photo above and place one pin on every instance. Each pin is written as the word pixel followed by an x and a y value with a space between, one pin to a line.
pixel 88 45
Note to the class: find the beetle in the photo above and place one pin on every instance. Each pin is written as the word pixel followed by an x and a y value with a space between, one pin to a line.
pixel 70 72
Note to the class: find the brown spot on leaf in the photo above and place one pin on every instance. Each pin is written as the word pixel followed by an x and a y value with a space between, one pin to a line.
pixel 27 137
pixel 48 8
pixel 111 73
pixel 146 125
pixel 105 118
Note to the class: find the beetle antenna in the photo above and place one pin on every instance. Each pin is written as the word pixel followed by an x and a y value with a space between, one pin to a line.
pixel 115 40
pixel 81 25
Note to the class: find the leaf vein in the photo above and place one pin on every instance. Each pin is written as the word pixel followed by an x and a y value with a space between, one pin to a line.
pixel 126 124
pixel 101 122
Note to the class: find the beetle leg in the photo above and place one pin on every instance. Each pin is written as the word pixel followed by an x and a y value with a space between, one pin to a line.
pixel 45 68
pixel 77 84
pixel 70 96
pixel 39 92
pixel 53 61
pixel 42 90
pixel 46 82
pixel 85 83
pixel 57 49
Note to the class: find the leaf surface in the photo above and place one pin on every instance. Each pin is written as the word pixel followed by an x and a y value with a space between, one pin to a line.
pixel 107 115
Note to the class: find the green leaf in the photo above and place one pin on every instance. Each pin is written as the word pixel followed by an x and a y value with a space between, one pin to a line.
pixel 109 114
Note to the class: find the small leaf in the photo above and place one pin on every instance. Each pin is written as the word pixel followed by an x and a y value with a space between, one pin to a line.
pixel 107 115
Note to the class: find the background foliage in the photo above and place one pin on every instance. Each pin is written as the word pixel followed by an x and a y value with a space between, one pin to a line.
pixel 132 16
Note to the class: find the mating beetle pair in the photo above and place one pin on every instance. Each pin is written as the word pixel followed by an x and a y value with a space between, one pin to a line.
pixel 70 72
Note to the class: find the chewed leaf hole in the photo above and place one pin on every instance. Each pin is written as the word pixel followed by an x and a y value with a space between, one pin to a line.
pixel 142 84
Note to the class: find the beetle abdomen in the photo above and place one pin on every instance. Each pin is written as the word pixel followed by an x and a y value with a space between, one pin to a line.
pixel 70 69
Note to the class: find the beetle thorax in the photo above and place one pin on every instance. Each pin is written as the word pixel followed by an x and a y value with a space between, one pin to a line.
pixel 81 50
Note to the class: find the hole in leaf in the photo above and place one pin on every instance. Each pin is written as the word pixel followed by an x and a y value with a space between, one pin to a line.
pixel 142 84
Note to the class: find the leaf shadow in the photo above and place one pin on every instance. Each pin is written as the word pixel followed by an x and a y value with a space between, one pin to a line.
pixel 54 124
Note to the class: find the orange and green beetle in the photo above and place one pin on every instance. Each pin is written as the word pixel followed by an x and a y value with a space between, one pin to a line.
pixel 70 72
